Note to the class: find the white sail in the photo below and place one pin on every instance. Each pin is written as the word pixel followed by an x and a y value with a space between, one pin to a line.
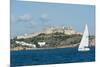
pixel 85 40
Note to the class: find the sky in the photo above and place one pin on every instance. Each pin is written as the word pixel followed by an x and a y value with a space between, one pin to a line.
pixel 29 17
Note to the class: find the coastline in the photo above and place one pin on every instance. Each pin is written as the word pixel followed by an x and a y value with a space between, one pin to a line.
pixel 75 45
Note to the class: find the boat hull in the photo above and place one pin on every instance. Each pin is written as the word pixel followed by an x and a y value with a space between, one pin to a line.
pixel 83 49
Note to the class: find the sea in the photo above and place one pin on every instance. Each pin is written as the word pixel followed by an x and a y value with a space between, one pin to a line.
pixel 50 56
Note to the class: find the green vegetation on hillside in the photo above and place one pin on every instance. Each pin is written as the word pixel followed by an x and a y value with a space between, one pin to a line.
pixel 52 40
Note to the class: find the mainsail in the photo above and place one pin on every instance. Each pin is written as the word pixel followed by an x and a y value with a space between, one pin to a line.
pixel 85 41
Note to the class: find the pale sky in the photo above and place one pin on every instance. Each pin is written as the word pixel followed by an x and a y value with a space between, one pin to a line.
pixel 28 17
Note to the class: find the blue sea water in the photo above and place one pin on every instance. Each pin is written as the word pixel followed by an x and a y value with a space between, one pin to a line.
pixel 51 56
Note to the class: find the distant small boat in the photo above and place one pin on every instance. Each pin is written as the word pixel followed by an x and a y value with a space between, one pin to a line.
pixel 84 44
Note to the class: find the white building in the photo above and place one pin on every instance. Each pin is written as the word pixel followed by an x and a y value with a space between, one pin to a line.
pixel 41 43
pixel 25 44
pixel 66 30
pixel 27 35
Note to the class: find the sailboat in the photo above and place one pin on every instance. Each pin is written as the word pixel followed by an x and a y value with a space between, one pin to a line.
pixel 84 41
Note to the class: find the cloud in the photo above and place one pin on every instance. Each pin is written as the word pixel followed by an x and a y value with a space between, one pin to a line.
pixel 44 17
pixel 12 18
pixel 24 18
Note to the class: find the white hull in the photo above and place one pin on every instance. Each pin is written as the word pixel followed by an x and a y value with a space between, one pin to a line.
pixel 83 49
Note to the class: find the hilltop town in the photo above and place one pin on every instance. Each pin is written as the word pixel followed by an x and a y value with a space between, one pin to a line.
pixel 50 37
pixel 49 30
